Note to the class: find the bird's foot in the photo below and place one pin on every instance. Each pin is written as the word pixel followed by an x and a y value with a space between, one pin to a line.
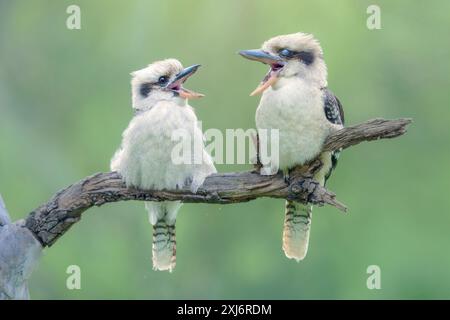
pixel 287 177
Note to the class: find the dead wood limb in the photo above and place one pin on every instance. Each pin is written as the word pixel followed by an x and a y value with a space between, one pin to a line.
pixel 21 242
pixel 55 217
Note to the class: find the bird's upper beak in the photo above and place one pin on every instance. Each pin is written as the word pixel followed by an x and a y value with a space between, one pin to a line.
pixel 176 85
pixel 276 65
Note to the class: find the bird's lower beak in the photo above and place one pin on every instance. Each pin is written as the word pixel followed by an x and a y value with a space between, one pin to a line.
pixel 276 65
pixel 176 85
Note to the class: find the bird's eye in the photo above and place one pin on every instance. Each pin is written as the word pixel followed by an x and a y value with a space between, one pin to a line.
pixel 286 53
pixel 163 80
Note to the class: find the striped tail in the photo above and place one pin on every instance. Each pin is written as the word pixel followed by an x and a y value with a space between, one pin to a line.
pixel 297 224
pixel 164 246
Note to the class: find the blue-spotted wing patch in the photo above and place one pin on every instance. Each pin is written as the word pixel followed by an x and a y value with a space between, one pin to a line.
pixel 332 107
pixel 335 114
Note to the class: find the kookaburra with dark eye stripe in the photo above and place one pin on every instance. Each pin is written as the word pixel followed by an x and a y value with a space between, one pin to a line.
pixel 296 102
pixel 144 159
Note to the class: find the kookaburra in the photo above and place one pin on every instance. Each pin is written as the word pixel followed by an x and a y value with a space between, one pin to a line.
pixel 144 159
pixel 296 101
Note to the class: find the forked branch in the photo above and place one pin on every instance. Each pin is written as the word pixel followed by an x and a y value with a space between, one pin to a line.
pixel 54 218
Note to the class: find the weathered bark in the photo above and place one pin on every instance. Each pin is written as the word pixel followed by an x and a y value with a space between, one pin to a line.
pixel 21 243
pixel 374 129
pixel 54 218
pixel 19 254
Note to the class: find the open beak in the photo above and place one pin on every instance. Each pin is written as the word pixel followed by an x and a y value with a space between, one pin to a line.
pixel 176 85
pixel 276 65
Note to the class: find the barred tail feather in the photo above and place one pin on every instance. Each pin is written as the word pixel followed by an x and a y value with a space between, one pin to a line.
pixel 297 224
pixel 162 216
pixel 164 246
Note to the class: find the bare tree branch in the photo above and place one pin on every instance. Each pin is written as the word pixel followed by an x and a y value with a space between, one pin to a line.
pixel 54 218
pixel 21 242
pixel 367 131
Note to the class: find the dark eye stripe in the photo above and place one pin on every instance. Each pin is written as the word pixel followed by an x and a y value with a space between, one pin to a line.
pixel 305 56
pixel 287 53
pixel 145 89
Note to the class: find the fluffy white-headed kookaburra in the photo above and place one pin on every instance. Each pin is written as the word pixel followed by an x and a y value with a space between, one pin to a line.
pixel 145 157
pixel 296 101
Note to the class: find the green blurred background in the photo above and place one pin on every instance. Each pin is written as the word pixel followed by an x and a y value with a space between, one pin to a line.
pixel 65 100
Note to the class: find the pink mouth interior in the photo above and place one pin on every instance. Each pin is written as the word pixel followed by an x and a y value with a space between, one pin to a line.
pixel 276 66
pixel 177 85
